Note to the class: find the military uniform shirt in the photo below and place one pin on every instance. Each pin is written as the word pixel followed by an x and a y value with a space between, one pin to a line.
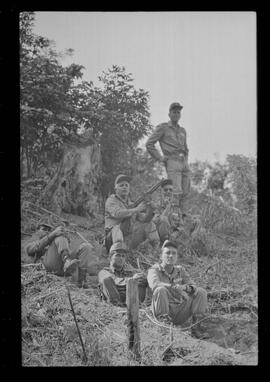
pixel 172 141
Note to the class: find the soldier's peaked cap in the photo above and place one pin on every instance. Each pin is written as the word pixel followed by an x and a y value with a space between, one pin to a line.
pixel 175 105
pixel 169 243
pixel 121 178
pixel 119 246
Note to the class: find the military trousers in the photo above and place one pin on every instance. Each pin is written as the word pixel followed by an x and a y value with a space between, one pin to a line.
pixel 139 233
pixel 114 288
pixel 178 171
pixel 54 263
pixel 163 302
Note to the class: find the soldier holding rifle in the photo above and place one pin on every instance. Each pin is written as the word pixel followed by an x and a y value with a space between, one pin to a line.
pixel 125 222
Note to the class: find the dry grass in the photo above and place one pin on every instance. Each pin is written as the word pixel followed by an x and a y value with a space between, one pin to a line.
pixel 223 254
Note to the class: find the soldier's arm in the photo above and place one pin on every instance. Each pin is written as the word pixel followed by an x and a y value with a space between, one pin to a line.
pixel 116 211
pixel 103 274
pixel 152 140
pixel 37 246
pixel 154 279
pixel 185 144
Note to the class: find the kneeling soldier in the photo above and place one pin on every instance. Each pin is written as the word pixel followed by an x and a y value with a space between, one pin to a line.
pixel 112 280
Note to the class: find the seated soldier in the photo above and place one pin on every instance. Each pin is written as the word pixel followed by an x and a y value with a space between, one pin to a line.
pixel 175 296
pixel 53 248
pixel 112 280
pixel 170 222
pixel 117 214
pixel 163 211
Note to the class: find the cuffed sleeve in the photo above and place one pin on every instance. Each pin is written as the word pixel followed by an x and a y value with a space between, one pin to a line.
pixel 152 140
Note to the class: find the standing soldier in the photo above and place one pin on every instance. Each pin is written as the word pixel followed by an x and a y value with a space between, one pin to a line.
pixel 173 143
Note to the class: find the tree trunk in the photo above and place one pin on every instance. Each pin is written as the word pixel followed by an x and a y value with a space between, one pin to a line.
pixel 74 187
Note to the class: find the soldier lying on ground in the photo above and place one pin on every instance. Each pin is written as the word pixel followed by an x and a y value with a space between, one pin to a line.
pixel 171 223
pixel 58 256
pixel 112 280
pixel 117 212
pixel 175 296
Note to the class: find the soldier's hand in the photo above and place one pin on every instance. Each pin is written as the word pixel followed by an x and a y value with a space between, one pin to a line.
pixel 138 276
pixel 181 290
pixel 59 231
pixel 190 288
pixel 141 207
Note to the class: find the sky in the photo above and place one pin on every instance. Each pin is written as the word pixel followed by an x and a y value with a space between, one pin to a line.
pixel 204 60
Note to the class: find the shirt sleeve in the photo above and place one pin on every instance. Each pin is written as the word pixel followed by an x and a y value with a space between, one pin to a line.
pixel 115 210
pixel 154 279
pixel 152 140
pixel 185 144
pixel 38 244
pixel 32 248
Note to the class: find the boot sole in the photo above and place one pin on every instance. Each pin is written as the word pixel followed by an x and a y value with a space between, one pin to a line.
pixel 72 268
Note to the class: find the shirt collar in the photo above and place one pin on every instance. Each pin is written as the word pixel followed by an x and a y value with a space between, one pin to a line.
pixel 163 270
pixel 114 270
pixel 171 125
pixel 126 202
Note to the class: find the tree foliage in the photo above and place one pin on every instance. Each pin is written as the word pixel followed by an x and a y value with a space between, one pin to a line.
pixel 243 178
pixel 47 113
pixel 56 103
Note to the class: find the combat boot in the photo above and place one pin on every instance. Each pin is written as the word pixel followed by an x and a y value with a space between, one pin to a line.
pixel 70 265
pixel 82 281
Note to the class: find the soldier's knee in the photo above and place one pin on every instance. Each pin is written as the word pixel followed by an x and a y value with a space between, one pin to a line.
pixel 201 292
pixel 86 246
pixel 60 240
pixel 161 290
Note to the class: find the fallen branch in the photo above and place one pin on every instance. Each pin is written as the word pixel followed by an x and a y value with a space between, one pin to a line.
pixel 231 308
pixel 210 266
pixel 26 234
pixel 154 321
pixel 196 323
pixel 48 294
pixel 224 294
pixel 31 265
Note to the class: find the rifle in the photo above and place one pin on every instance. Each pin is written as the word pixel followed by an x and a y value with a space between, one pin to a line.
pixel 144 196
pixel 125 224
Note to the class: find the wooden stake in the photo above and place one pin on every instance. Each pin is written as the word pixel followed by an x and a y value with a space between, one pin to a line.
pixel 132 301
pixel 85 359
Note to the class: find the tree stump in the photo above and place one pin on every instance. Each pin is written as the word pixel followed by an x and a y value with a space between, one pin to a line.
pixel 74 187
pixel 132 301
